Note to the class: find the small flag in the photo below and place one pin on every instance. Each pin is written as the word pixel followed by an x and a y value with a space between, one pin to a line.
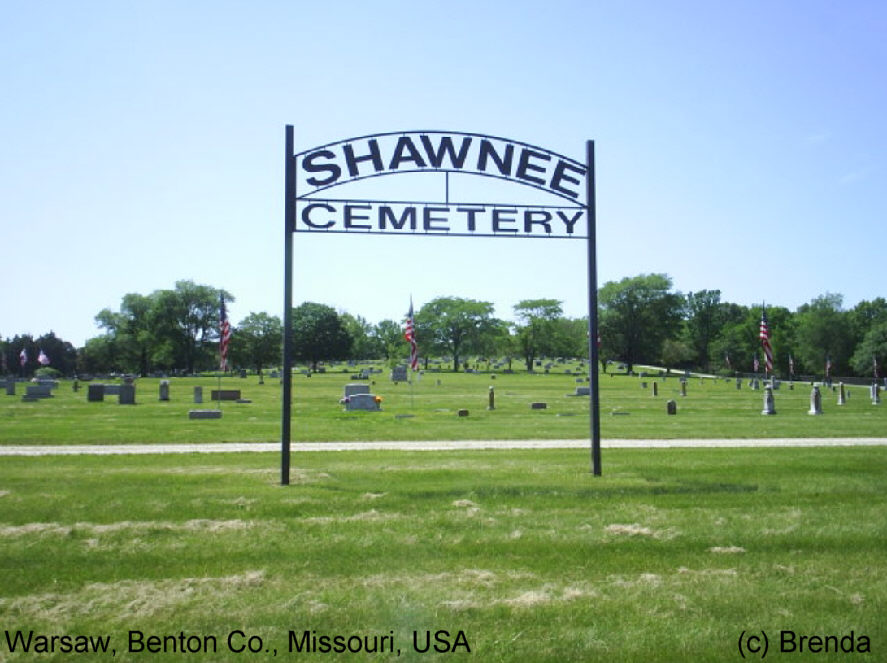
pixel 23 358
pixel 828 365
pixel 224 334
pixel 756 363
pixel 791 365
pixel 765 342
pixel 727 361
pixel 409 333
pixel 42 358
pixel 875 365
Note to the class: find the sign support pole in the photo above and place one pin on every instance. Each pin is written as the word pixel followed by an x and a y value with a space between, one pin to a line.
pixel 290 223
pixel 593 333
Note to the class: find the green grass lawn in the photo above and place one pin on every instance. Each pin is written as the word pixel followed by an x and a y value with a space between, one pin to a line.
pixel 668 557
pixel 711 408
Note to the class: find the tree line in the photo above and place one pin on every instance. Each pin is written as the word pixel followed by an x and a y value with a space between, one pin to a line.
pixel 642 320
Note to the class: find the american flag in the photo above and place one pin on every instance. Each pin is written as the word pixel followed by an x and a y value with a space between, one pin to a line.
pixel 791 365
pixel 828 365
pixel 224 334
pixel 765 342
pixel 42 358
pixel 23 357
pixel 727 360
pixel 409 333
pixel 756 363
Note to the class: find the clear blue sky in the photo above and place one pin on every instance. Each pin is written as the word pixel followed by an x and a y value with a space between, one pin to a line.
pixel 740 146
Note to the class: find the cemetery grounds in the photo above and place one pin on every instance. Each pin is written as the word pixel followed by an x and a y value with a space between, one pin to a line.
pixel 689 553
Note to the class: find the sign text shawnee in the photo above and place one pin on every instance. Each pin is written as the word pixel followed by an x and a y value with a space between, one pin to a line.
pixel 386 154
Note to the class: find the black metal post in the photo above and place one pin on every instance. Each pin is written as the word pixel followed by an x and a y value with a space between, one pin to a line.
pixel 593 353
pixel 290 223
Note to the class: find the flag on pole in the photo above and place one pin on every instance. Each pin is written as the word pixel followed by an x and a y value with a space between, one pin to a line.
pixel 727 360
pixel 42 358
pixel 765 342
pixel 756 363
pixel 224 334
pixel 23 358
pixel 875 365
pixel 791 365
pixel 828 365
pixel 409 333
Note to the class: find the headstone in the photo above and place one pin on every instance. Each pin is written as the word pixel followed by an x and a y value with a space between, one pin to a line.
pixel 538 406
pixel 352 389
pixel 841 395
pixel 683 388
pixel 876 395
pixel 655 388
pixel 127 395
pixel 243 373
pixel 10 386
pixel 492 399
pixel 164 390
pixel 755 384
pixel 95 393
pixel 366 402
pixel 204 414
pixel 224 394
pixel 399 374
pixel 583 391
pixel 738 384
pixel 198 397
pixel 671 407
pixel 815 401
pixel 463 413
pixel 33 391
pixel 769 407
pixel 643 385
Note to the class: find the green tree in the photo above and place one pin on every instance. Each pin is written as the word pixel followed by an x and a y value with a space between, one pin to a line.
pixel 319 334
pixel 457 326
pixel 257 341
pixel 703 324
pixel 389 338
pixel 364 344
pixel 537 330
pixel 872 350
pixel 823 331
pixel 637 314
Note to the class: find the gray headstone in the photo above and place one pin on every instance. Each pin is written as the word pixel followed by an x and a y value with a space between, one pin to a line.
pixel 204 414
pixel 127 395
pixel 164 390
pixel 671 407
pixel 841 394
pixel 875 393
pixel 583 391
pixel 356 388
pixel 198 395
pixel 95 393
pixel 815 401
pixel 365 402
pixel 10 386
pixel 769 407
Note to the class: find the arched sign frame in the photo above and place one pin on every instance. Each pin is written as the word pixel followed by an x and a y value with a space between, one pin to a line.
pixel 325 167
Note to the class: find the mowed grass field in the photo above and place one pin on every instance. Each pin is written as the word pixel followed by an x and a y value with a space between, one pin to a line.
pixel 506 555
pixel 427 410
pixel 672 555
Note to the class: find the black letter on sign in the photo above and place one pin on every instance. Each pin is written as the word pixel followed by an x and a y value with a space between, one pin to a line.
pixel 333 169
pixel 560 176
pixel 405 144
pixel 524 165
pixel 446 147
pixel 306 215
pixel 373 156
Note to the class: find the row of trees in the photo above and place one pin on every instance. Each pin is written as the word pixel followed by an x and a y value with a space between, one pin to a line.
pixel 642 320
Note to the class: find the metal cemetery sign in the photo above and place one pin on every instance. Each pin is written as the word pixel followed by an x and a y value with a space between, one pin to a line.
pixel 329 166
pixel 559 203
